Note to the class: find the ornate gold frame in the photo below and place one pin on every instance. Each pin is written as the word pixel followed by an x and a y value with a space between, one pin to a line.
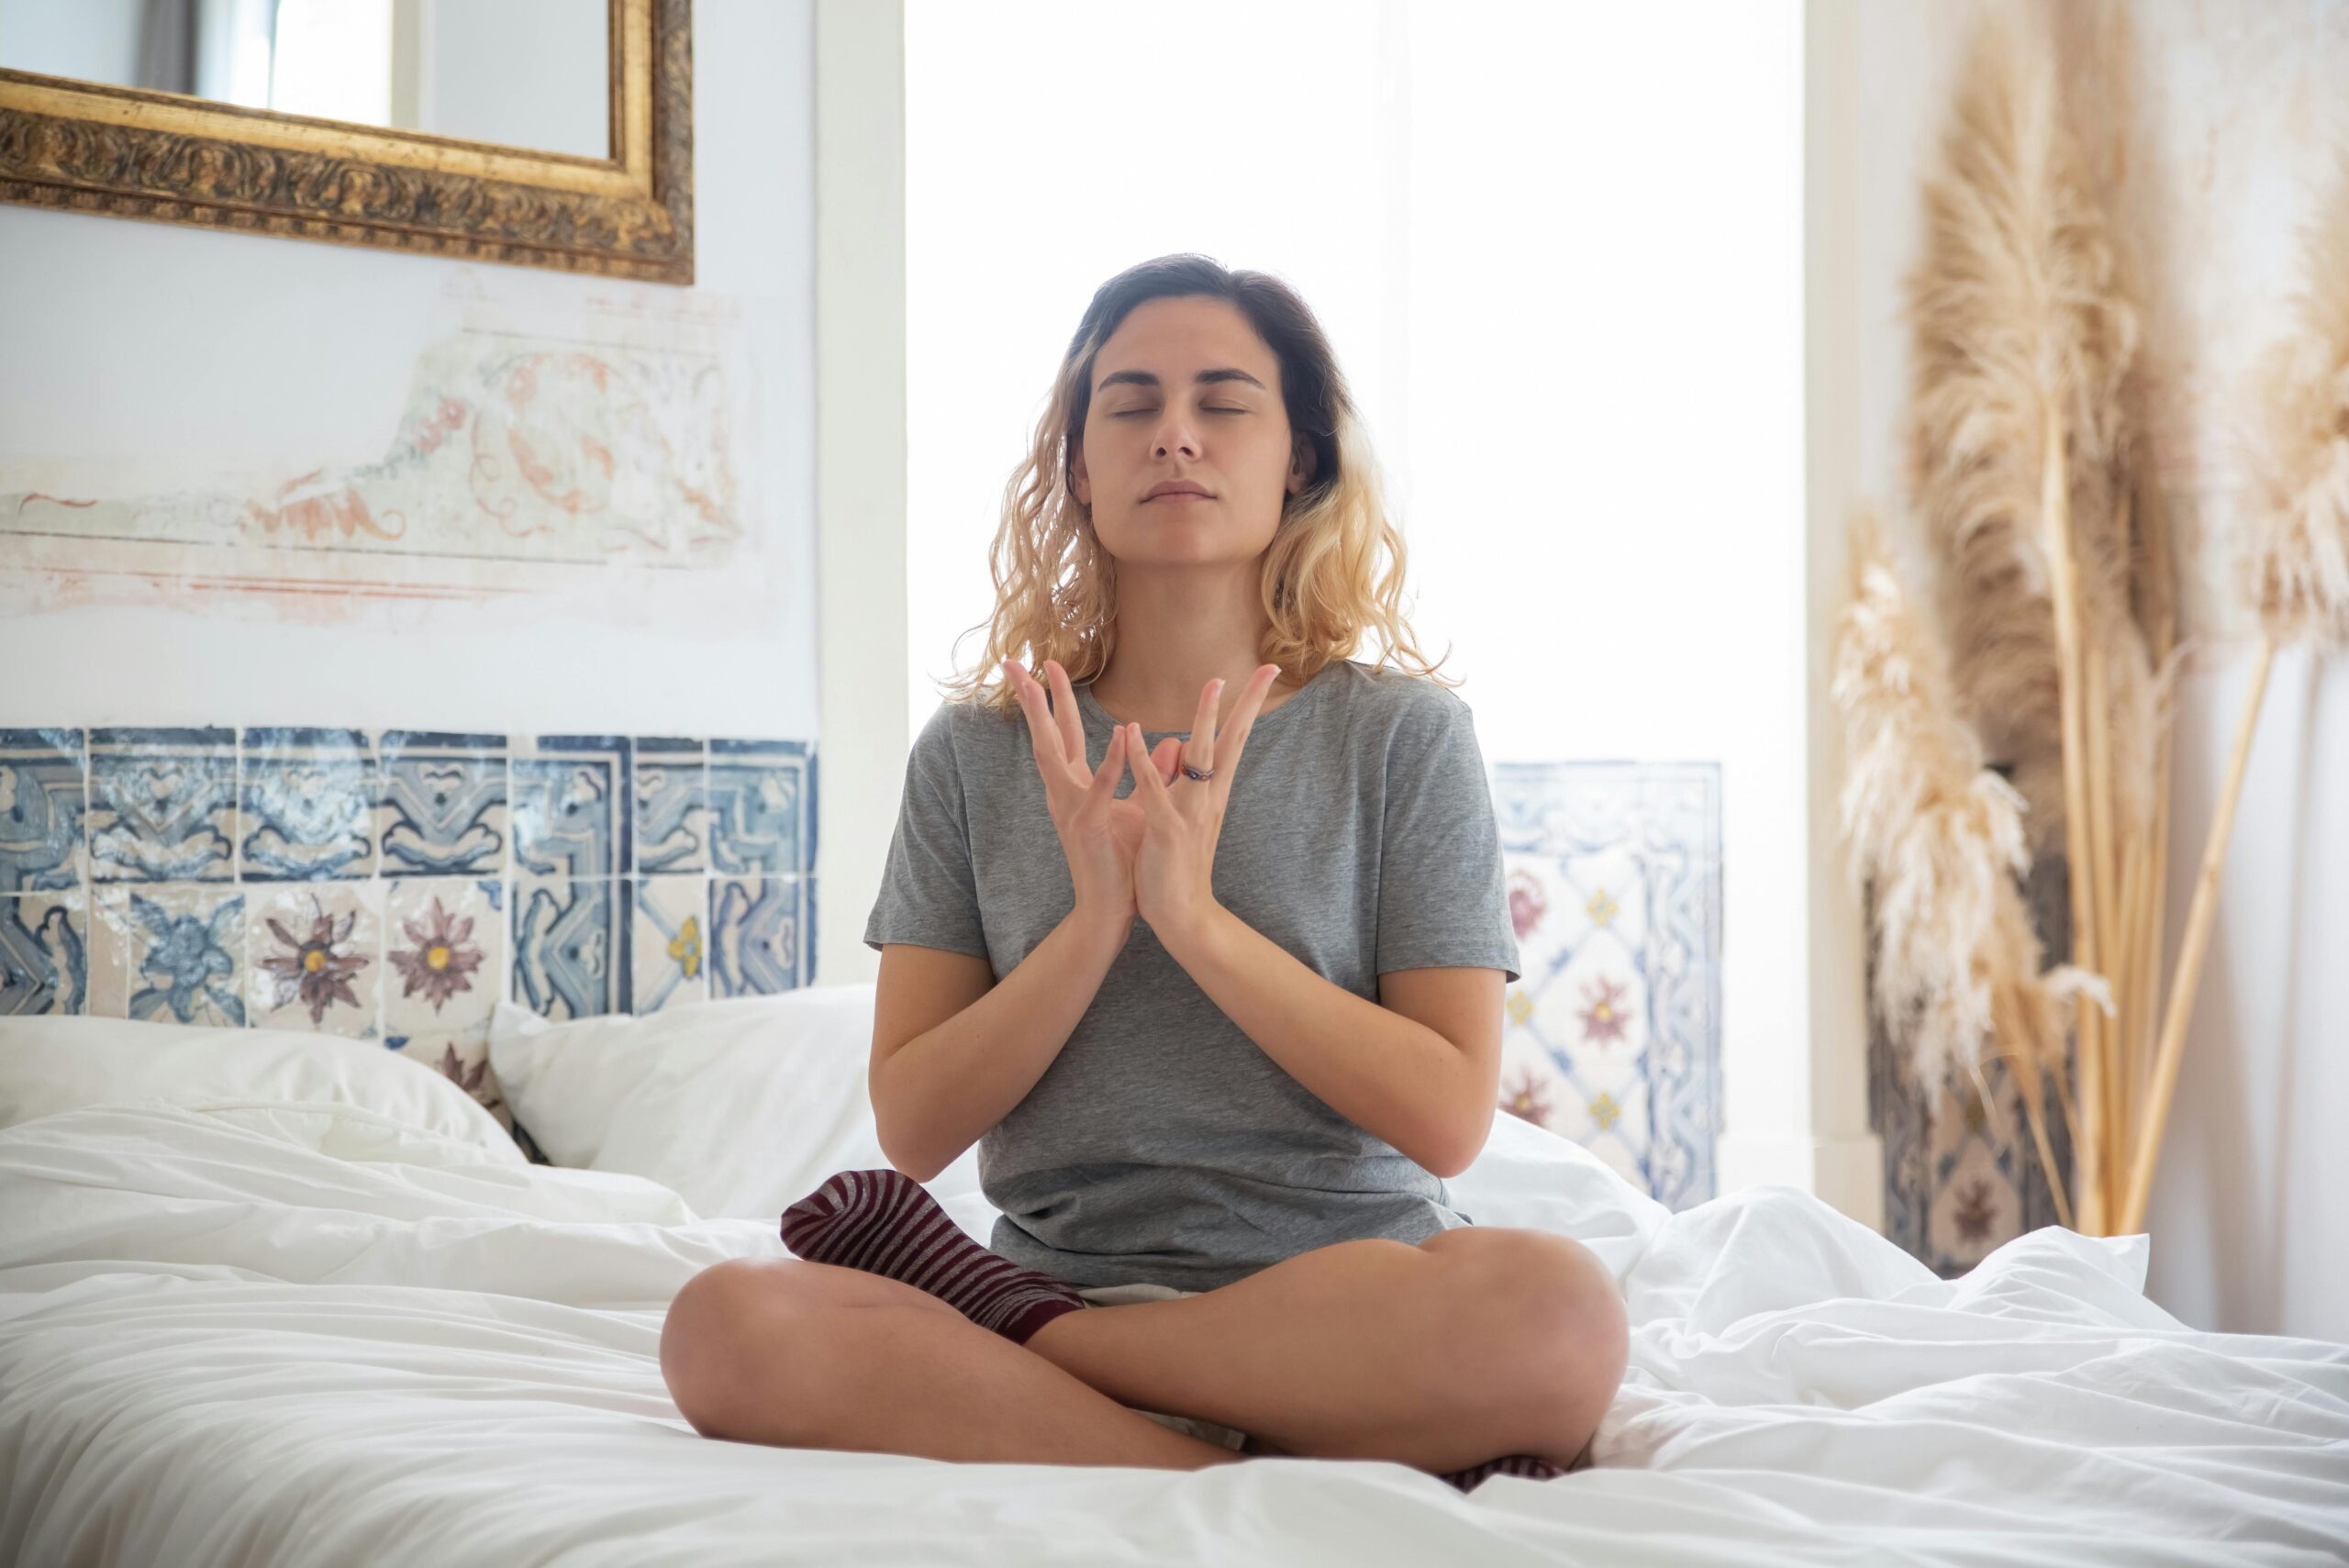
pixel 170 158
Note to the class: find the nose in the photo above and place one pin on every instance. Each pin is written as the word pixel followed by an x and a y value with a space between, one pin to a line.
pixel 1176 433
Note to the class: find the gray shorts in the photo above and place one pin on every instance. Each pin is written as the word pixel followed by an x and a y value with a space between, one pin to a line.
pixel 1191 1426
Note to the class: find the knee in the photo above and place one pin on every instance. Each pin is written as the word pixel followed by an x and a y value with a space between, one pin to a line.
pixel 1548 1323
pixel 724 1317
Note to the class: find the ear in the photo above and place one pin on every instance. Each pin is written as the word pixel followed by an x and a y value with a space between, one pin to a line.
pixel 1300 466
pixel 1080 484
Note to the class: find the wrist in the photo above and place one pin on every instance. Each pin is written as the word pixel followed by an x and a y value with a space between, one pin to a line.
pixel 1191 932
pixel 1102 930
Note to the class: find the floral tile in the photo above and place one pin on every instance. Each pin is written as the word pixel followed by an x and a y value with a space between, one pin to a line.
pixel 444 954
pixel 672 922
pixel 570 805
pixel 761 934
pixel 763 801
pixel 313 957
pixel 671 830
pixel 461 1056
pixel 570 945
pixel 43 785
pixel 306 804
pixel 1612 1034
pixel 162 805
pixel 172 952
pixel 44 954
pixel 442 809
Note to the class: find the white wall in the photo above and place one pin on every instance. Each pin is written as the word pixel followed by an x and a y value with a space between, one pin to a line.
pixel 1559 250
pixel 2238 108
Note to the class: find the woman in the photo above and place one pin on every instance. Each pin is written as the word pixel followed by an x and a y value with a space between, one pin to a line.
pixel 1220 1037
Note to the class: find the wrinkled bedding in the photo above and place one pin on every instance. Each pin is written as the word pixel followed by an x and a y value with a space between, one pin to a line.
pixel 303 1333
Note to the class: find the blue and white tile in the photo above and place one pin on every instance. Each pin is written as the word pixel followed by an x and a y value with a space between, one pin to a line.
pixel 572 805
pixel 671 929
pixel 162 805
pixel 672 814
pixel 761 934
pixel 444 954
pixel 442 808
pixel 169 952
pixel 1612 1036
pixel 762 800
pixel 44 954
pixel 44 785
pixel 306 804
pixel 313 957
pixel 570 942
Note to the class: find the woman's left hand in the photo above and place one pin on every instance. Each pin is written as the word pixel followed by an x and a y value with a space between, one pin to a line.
pixel 1182 820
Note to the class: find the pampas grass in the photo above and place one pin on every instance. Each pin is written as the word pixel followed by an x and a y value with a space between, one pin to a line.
pixel 1942 837
pixel 2051 647
pixel 2292 573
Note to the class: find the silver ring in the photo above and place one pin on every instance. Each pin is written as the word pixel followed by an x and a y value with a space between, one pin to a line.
pixel 1195 775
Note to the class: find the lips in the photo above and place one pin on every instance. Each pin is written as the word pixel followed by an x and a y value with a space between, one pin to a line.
pixel 1183 491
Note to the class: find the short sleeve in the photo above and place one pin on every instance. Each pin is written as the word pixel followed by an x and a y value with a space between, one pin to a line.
pixel 928 896
pixel 1442 901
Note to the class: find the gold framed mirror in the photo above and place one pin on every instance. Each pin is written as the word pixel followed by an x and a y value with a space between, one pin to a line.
pixel 209 155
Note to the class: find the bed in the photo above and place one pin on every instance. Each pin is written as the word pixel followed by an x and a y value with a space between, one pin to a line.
pixel 265 1301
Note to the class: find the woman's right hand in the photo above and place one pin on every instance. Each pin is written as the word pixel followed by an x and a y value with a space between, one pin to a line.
pixel 1099 833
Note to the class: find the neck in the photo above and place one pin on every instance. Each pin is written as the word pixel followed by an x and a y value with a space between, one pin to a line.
pixel 1179 627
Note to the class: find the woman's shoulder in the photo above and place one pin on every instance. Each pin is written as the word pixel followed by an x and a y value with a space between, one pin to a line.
pixel 1400 700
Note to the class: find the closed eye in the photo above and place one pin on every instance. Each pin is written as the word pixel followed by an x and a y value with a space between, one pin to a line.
pixel 1129 413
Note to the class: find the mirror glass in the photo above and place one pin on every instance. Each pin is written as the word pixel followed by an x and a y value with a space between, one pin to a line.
pixel 526 73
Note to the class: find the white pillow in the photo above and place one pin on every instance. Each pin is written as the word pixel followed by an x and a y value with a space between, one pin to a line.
pixel 743 1106
pixel 52 1064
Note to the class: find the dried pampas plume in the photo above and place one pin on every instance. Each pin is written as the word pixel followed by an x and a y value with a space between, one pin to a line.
pixel 1941 838
pixel 2018 303
pixel 2293 565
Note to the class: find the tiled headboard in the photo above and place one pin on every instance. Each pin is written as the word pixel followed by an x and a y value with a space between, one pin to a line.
pixel 393 885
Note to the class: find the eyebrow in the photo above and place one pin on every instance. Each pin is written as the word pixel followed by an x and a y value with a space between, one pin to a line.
pixel 1144 378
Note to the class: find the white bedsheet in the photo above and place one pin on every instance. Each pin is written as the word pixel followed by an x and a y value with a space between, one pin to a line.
pixel 298 1335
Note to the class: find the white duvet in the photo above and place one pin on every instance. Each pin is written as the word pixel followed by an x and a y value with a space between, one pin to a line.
pixel 281 1334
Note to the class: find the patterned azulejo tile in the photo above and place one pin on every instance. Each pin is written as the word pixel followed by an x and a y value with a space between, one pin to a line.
pixel 570 805
pixel 313 957
pixel 1613 1037
pixel 442 809
pixel 172 952
pixel 571 944
pixel 43 784
pixel 673 815
pixel 306 799
pixel 763 803
pixel 44 954
pixel 162 805
pixel 761 934
pixel 670 961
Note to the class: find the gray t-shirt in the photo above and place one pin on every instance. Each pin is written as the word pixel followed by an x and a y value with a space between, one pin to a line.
pixel 1162 1144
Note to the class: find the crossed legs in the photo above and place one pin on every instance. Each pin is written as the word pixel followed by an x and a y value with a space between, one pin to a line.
pixel 1477 1342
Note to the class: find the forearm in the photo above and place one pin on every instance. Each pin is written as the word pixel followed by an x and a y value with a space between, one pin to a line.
pixel 1389 1075
pixel 938 1093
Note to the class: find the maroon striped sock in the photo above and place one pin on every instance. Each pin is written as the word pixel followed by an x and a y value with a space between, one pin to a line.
pixel 883 1222
pixel 1530 1465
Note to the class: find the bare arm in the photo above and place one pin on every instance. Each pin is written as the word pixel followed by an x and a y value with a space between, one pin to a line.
pixel 1420 1067
pixel 954 1050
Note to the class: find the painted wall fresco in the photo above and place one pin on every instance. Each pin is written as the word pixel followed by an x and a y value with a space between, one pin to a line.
pixel 537 450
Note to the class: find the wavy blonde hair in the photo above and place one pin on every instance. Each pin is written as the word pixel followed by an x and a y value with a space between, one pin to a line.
pixel 1321 585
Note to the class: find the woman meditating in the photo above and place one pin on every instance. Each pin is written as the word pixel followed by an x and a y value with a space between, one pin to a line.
pixel 1220 1036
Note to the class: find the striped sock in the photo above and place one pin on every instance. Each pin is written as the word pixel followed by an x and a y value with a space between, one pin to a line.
pixel 883 1222
pixel 1533 1466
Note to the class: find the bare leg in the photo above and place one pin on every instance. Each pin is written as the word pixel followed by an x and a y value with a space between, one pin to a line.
pixel 1478 1342
pixel 802 1354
